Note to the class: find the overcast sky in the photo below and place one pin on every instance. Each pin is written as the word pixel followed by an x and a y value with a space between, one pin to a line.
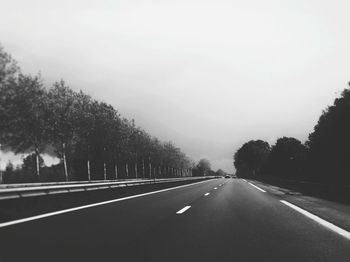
pixel 208 75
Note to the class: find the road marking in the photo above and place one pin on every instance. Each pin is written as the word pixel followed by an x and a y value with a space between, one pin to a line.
pixel 183 210
pixel 23 220
pixel 319 220
pixel 215 188
pixel 207 194
pixel 262 190
pixel 244 180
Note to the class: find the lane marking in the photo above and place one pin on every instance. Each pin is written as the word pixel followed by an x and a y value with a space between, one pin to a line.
pixel 262 190
pixel 319 220
pixel 206 194
pixel 244 180
pixel 23 220
pixel 215 188
pixel 183 210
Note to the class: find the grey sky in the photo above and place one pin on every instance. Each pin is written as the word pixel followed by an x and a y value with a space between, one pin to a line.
pixel 208 75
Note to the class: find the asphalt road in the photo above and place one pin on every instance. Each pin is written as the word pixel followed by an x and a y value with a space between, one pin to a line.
pixel 234 222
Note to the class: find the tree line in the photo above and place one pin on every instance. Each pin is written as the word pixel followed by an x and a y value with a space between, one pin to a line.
pixel 92 140
pixel 324 157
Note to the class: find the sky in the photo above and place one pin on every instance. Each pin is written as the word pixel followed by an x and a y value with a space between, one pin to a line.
pixel 208 75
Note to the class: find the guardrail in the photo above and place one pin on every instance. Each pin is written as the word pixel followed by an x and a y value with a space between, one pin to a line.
pixel 11 191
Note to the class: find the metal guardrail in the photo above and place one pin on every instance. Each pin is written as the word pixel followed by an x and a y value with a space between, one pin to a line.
pixel 40 189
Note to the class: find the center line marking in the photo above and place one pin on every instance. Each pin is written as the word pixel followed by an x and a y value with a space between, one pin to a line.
pixel 319 220
pixel 207 194
pixel 262 190
pixel 215 188
pixel 183 210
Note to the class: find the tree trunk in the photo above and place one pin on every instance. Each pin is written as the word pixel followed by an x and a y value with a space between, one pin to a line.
pixel 104 165
pixel 88 170
pixel 37 158
pixel 116 170
pixel 136 169
pixel 65 161
pixel 104 171
pixel 150 167
pixel 127 169
pixel 143 168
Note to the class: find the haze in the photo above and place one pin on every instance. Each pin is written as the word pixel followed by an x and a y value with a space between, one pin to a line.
pixel 208 75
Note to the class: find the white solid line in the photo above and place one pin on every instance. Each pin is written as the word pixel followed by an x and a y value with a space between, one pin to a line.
pixel 27 219
pixel 319 220
pixel 244 180
pixel 262 190
pixel 207 194
pixel 183 210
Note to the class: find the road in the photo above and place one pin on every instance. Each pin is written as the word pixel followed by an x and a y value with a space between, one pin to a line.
pixel 234 222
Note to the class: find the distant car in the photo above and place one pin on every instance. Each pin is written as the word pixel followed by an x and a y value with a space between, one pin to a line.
pixel 227 176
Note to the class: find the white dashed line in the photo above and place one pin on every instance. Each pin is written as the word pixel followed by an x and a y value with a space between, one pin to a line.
pixel 183 210
pixel 319 220
pixel 244 180
pixel 262 190
pixel 215 188
pixel 206 194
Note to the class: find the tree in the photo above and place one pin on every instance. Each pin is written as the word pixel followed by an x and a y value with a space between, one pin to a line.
pixel 8 67
pixel 329 143
pixel 203 167
pixel 220 172
pixel 61 124
pixel 250 158
pixel 26 126
pixel 287 157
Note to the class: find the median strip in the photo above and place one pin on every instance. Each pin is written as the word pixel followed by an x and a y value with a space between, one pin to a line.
pixel 319 220
pixel 262 190
pixel 183 210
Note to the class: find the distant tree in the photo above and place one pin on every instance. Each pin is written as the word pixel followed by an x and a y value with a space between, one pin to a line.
pixel 329 143
pixel 251 157
pixel 220 172
pixel 287 157
pixel 29 163
pixel 203 167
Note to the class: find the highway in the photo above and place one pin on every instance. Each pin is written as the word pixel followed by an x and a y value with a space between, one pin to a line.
pixel 215 220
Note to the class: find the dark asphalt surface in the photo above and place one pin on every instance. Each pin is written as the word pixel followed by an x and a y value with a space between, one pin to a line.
pixel 236 222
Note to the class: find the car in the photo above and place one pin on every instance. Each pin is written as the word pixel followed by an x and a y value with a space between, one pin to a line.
pixel 227 176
